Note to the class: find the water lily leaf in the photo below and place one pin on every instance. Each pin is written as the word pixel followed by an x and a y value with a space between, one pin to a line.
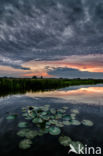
pixel 54 130
pixel 48 123
pixel 22 132
pixel 76 111
pixel 25 144
pixel 41 132
pixel 67 123
pixel 65 108
pixel 59 124
pixel 61 110
pixel 66 117
pixel 23 109
pixel 76 145
pixel 58 116
pixel 53 111
pixel 25 114
pixel 22 124
pixel 46 117
pixel 31 134
pixel 53 122
pixel 65 140
pixel 73 116
pixel 87 123
pixel 37 120
pixel 75 122
pixel 11 117
pixel 43 113
pixel 32 114
pixel 44 108
pixel 47 106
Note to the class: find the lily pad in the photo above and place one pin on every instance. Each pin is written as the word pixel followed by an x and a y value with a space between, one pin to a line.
pixel 65 140
pixel 47 106
pixel 22 132
pixel 61 110
pixel 58 116
pixel 73 116
pixel 65 107
pixel 87 123
pixel 43 113
pixel 53 111
pixel 75 122
pixel 76 111
pixel 76 145
pixel 37 120
pixel 66 117
pixel 46 117
pixel 25 144
pixel 22 124
pixel 54 130
pixel 59 124
pixel 31 134
pixel 53 122
pixel 67 123
pixel 11 117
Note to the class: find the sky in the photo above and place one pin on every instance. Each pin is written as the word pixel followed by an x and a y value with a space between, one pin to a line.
pixel 51 38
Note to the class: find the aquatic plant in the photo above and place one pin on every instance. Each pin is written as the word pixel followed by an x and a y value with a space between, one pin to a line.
pixel 22 132
pixel 87 123
pixel 25 144
pixel 22 124
pixel 76 111
pixel 47 120
pixel 54 131
pixel 11 117
pixel 65 140
pixel 75 122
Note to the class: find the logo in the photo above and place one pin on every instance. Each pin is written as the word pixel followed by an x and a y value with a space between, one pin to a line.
pixel 85 150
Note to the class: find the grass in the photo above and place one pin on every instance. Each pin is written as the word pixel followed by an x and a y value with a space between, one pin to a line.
pixel 22 85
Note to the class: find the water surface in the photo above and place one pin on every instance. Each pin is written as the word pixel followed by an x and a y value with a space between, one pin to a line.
pixel 87 99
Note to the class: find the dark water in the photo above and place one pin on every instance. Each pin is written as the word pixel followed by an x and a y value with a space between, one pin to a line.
pixel 88 100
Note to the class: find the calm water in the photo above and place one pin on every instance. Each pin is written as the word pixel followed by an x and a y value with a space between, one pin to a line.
pixel 87 99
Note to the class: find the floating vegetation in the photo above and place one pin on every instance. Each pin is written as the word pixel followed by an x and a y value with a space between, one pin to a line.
pixel 25 144
pixel 75 122
pixel 11 117
pixel 37 120
pixel 66 117
pixel 54 130
pixel 31 134
pixel 65 108
pixel 61 110
pixel 22 124
pixel 53 111
pixel 75 145
pixel 87 123
pixel 46 120
pixel 76 111
pixel 65 140
pixel 66 123
pixel 22 133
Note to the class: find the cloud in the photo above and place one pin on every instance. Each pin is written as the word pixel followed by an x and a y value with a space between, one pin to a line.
pixel 36 29
pixel 49 31
pixel 12 63
pixel 74 73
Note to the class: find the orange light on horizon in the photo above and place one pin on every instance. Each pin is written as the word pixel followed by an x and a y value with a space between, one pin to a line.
pixel 38 74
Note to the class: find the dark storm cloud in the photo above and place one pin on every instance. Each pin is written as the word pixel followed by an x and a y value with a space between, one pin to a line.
pixel 50 29
pixel 74 73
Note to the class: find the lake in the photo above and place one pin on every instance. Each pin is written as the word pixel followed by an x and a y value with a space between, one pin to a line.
pixel 88 100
